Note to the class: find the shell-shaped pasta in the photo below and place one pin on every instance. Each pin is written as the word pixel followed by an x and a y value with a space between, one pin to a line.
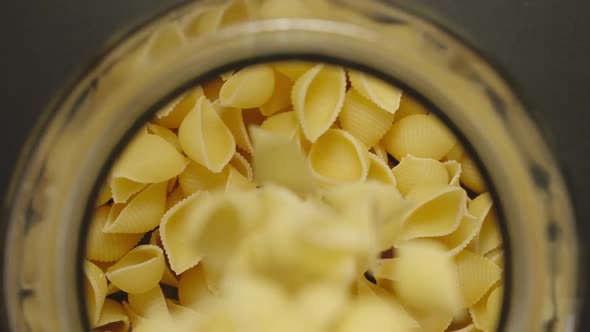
pixel 468 328
pixel 454 170
pixel 123 189
pixel 462 236
pixel 292 69
pixel 470 176
pixel 112 289
pixel 141 214
pixel 112 318
pixel 139 270
pixel 486 312
pixel 250 87
pixel 317 97
pixel 409 106
pixel 241 164
pixel 415 286
pixel 438 212
pixel 374 315
pixel 456 153
pixel 380 152
pixel 496 256
pixel 193 291
pixel 166 134
pixel 174 197
pixel 236 181
pixel 104 195
pixel 136 320
pixel 281 97
pixel 149 304
pixel 490 237
pixel 205 138
pixel 476 275
pixel 234 120
pixel 171 115
pixel 211 89
pixel 412 172
pixel 422 136
pixel 107 247
pixel 337 157
pixel 168 278
pixel 278 160
pixel 196 178
pixel 363 119
pixel 379 92
pixel 95 284
pixel 284 124
pixel 380 171
pixel 174 235
pixel 225 76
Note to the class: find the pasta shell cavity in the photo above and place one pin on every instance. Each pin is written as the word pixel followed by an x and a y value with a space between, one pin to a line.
pixel 379 92
pixel 96 290
pixel 414 172
pixel 234 120
pixel 205 138
pixel 317 97
pixel 284 124
pixel 250 87
pixel 107 247
pixel 139 270
pixel 337 157
pixel 422 136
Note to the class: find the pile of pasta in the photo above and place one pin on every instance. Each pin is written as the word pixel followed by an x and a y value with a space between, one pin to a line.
pixel 294 196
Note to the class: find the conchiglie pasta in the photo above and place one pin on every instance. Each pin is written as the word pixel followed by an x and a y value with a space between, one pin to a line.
pixel 454 170
pixel 166 134
pixel 149 304
pixel 384 95
pixel 248 88
pixel 95 284
pixel 490 237
pixel 380 152
pixel 380 171
pixel 139 270
pixel 122 189
pixel 242 165
pixel 205 138
pixel 196 178
pixel 107 247
pixel 317 97
pixel 171 115
pixel 192 289
pixel 409 106
pixel 456 153
pixel 476 275
pixel 284 124
pixel 237 181
pixel 412 172
pixel 486 312
pixel 470 176
pixel 422 136
pixel 234 120
pixel 112 318
pixel 363 119
pixel 281 97
pixel 292 69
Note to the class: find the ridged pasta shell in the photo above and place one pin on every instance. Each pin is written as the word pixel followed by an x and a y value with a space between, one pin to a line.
pixel 284 124
pixel 104 195
pixel 337 157
pixel 141 214
pixel 281 97
pixel 496 256
pixel 168 278
pixel 148 309
pixel 409 106
pixel 412 172
pixel 454 170
pixel 490 237
pixel 468 328
pixel 205 138
pixel 470 176
pixel 123 189
pixel 174 236
pixel 174 197
pixel 107 247
pixel 363 119
pixel 462 236
pixel 140 270
pixel 250 87
pixel 381 93
pixel 486 312
pixel 238 182
pixel 422 136
pixel 380 152
pixel 277 160
pixel 193 291
pixel 242 165
pixel 292 69
pixel 196 178
pixel 112 317
pixel 95 284
pixel 476 275
pixel 317 97
pixel 234 120
pixel 171 115
pixel 380 171
pixel 438 212
pixel 166 134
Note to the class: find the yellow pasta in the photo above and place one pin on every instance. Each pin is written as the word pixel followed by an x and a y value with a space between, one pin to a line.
pixel 373 315
pixel 317 97
pixel 363 119
pixel 422 136
pixel 379 92
pixel 236 181
pixel 112 318
pixel 490 237
pixel 95 284
pixel 409 106
pixel 248 88
pixel 234 120
pixel 196 178
pixel 107 247
pixel 168 278
pixel 470 176
pixel 239 163
pixel 193 291
pixel 476 275
pixel 292 69
pixel 141 214
pixel 149 304
pixel 174 197
pixel 166 134
pixel 486 312
pixel 337 157
pixel 122 189
pixel 380 152
pixel 380 171
pixel 139 270
pixel 284 124
pixel 414 172
pixel 171 115
pixel 454 170
pixel 281 97
pixel 456 153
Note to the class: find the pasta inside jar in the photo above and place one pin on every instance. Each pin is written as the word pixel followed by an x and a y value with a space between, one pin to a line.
pixel 294 196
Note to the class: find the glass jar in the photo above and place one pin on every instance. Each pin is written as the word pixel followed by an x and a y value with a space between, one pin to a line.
pixel 72 148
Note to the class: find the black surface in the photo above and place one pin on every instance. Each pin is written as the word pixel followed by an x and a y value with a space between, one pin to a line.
pixel 542 44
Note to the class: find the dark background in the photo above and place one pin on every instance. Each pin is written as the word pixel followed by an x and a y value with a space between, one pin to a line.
pixel 542 44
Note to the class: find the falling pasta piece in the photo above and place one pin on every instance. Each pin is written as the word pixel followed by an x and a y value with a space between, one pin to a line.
pixel 380 171
pixel 166 134
pixel 248 88
pixel 107 247
pixel 284 124
pixel 379 92
pixel 197 178
pixel 470 175
pixel 318 96
pixel 337 157
pixel 409 106
pixel 292 69
pixel 412 172
pixel 205 138
pixel 422 136
pixel 193 292
pixel 242 165
pixel 95 284
pixel 486 312
pixel 234 120
pixel 139 270
pixel 363 119
pixel 141 214
pixel 281 97
pixel 112 318
pixel 476 275
pixel 454 170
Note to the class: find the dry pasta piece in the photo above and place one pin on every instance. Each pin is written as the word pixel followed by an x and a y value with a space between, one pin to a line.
pixel 412 172
pixel 236 181
pixel 171 115
pixel 486 312
pixel 379 92
pixel 292 69
pixel 422 136
pixel 174 197
pixel 113 318
pixel 193 291
pixel 136 320
pixel 196 178
pixel 112 289
pixel 409 106
pixel 380 152
pixel 456 153
pixel 476 275
pixel 470 176
pixel 211 89
pixel 281 97
pixel 234 120
pixel 225 76
pixel 166 134
pixel 380 171
pixel 141 214
pixel 496 256
pixel 242 165
pixel 284 124
pixel 104 195
pixel 337 157
pixel 107 247
pixel 363 119
pixel 454 170
pixel 321 304
pixel 168 278
pixel 148 304
pixel 123 189
pixel 438 212
pixel 468 328
pixel 277 160
pixel 139 270
pixel 373 315
pixel 95 284
pixel 250 87
pixel 490 237
pixel 317 97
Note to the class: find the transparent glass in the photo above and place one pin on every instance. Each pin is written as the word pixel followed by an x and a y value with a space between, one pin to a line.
pixel 70 151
